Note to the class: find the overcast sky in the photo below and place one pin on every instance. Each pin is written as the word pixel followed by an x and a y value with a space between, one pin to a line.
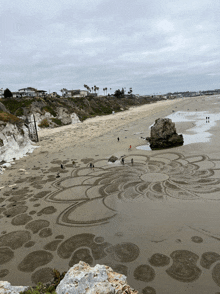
pixel 154 46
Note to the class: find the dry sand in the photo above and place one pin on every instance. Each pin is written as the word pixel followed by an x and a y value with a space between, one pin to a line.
pixel 157 221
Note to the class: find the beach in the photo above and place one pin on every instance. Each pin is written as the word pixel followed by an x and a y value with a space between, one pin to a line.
pixel 156 220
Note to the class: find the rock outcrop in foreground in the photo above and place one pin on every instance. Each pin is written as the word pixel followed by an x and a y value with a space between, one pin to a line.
pixel 7 288
pixel 164 135
pixel 81 278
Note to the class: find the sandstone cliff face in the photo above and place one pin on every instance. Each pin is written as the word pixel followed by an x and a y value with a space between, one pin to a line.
pixel 63 108
pixel 14 142
pixel 63 118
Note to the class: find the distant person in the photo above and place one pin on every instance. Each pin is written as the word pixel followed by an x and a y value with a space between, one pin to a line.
pixel 93 166
pixel 90 165
pixel 122 161
pixel 130 147
pixel 118 139
pixel 61 166
pixel 132 161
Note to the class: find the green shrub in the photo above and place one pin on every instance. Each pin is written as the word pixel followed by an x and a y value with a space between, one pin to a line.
pixel 7 117
pixel 50 110
pixel 44 123
pixel 57 121
pixel 46 289
pixel 20 112
pixel 84 117
pixel 12 104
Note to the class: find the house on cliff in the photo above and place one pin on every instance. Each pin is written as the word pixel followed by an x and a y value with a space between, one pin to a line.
pixel 53 94
pixel 73 93
pixel 1 93
pixel 29 92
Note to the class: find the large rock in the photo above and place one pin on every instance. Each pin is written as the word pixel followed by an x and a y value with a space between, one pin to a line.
pixel 64 116
pixel 82 278
pixel 113 158
pixel 7 288
pixel 164 135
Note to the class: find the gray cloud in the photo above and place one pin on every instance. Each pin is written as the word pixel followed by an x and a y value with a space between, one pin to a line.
pixel 154 47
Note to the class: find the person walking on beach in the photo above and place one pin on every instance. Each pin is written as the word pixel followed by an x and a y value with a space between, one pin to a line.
pixel 132 161
pixel 118 139
pixel 129 148
pixel 93 166
pixel 90 165
pixel 122 160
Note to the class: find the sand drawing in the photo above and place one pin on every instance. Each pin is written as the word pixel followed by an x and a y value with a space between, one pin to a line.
pixel 159 177
pixel 89 198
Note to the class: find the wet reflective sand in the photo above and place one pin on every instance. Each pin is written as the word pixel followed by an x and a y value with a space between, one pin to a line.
pixel 156 220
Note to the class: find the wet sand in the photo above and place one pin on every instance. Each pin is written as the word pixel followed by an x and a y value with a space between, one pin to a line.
pixel 157 221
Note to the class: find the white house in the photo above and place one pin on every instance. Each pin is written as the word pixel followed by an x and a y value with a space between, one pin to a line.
pixel 31 92
pixel 16 95
pixel 41 93
pixel 28 92
pixel 53 94
pixel 73 93
pixel 1 93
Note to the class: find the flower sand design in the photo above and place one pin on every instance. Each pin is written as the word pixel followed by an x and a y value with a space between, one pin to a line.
pixel 92 195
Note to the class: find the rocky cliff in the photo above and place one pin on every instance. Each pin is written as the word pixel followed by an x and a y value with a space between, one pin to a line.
pixel 58 111
pixel 14 139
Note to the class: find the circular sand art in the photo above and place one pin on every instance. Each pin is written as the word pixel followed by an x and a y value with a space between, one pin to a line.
pixel 88 197
pixel 159 177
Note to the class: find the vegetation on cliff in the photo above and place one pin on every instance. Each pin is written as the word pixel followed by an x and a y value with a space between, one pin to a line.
pixel 7 117
pixel 46 288
pixel 84 107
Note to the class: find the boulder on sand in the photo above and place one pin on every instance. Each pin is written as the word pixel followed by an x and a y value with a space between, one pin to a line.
pixel 164 135
pixel 113 158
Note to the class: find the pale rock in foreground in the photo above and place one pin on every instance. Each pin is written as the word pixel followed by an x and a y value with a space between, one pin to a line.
pixel 7 288
pixel 82 278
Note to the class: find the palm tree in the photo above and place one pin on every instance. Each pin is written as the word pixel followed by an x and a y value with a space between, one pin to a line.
pixel 105 89
pixel 130 91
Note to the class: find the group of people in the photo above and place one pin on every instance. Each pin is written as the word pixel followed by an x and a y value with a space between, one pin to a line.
pixel 91 165
pixel 129 146
pixel 123 161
